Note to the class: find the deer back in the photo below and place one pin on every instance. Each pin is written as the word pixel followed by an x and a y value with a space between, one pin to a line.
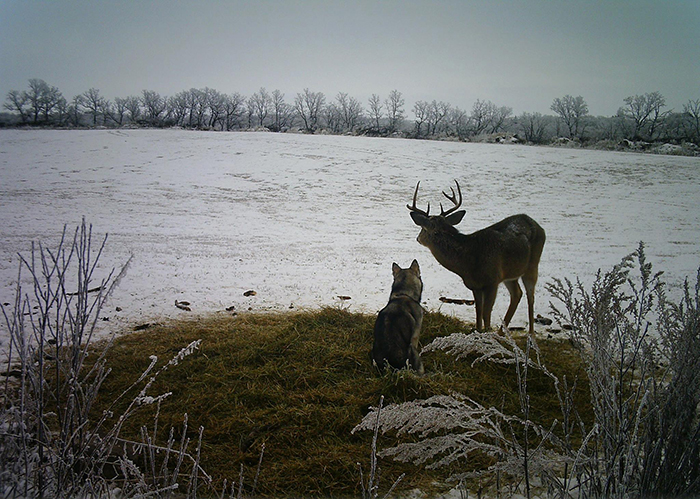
pixel 508 248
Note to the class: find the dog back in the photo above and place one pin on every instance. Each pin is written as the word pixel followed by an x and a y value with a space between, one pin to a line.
pixel 397 328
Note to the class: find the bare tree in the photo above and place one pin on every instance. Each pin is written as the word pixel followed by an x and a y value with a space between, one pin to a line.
pixel 281 111
pixel 178 106
pixel 50 99
pixel 17 101
pixel 395 111
pixel 436 119
pixel 308 106
pixel 353 114
pixel 215 107
pixel 487 117
pixel 197 108
pixel 572 111
pixel 605 128
pixel 421 109
pixel 259 106
pixel 133 106
pixel 200 106
pixel 482 116
pixel 691 110
pixel 233 111
pixel 60 112
pixel 499 118
pixel 333 118
pixel 106 111
pixel 154 106
pixel 198 100
pixel 118 111
pixel 459 123
pixel 375 110
pixel 37 88
pixel 645 115
pixel 533 126
pixel 674 127
pixel 93 102
pixel 40 99
pixel 74 112
pixel 350 111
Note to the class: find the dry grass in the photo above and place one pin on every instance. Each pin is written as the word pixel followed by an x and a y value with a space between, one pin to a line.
pixel 299 382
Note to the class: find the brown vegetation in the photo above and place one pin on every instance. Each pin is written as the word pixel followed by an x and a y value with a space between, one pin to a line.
pixel 299 383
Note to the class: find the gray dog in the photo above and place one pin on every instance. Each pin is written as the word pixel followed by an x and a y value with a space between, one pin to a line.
pixel 397 328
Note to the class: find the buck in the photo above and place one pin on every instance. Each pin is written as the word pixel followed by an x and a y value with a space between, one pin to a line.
pixel 501 253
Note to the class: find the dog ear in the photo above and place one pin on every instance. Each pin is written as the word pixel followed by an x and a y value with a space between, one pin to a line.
pixel 415 267
pixel 395 268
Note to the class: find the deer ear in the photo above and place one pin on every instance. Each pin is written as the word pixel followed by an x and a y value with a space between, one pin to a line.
pixel 455 217
pixel 419 218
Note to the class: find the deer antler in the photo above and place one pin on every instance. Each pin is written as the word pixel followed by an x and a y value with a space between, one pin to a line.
pixel 453 198
pixel 414 207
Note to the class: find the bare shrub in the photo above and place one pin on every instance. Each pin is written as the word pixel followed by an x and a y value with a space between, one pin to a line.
pixel 644 380
pixel 50 445
pixel 672 441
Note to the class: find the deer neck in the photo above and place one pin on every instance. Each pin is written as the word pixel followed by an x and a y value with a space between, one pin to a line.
pixel 452 250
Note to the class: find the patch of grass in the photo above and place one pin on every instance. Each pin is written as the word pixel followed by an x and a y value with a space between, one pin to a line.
pixel 299 382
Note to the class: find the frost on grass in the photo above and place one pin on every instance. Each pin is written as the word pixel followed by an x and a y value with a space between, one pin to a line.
pixel 454 428
pixel 487 346
pixel 427 419
pixel 446 430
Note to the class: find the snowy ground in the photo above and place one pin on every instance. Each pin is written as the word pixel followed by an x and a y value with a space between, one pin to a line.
pixel 304 219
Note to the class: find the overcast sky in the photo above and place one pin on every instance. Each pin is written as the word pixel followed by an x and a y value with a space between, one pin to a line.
pixel 520 54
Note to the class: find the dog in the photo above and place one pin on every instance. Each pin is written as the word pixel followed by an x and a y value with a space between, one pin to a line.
pixel 397 328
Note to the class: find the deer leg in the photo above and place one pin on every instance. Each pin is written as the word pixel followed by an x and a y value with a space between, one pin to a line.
pixel 515 295
pixel 529 283
pixel 489 299
pixel 479 304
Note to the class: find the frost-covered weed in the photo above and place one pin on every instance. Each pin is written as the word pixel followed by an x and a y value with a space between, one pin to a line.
pixel 486 346
pixel 370 485
pixel 49 445
pixel 454 428
pixel 642 354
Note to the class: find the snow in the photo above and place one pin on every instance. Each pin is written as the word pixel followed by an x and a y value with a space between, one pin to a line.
pixel 303 219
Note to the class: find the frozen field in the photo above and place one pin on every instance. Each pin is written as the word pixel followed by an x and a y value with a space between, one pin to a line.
pixel 304 219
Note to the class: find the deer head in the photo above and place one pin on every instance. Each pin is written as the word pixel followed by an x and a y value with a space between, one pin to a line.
pixel 436 224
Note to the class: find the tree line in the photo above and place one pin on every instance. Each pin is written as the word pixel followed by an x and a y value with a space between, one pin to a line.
pixel 641 118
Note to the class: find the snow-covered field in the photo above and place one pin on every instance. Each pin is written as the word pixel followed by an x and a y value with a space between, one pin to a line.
pixel 302 220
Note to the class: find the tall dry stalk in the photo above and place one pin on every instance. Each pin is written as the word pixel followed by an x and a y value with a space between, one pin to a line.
pixel 642 354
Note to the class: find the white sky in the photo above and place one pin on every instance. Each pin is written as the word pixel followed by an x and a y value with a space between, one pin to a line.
pixel 520 53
